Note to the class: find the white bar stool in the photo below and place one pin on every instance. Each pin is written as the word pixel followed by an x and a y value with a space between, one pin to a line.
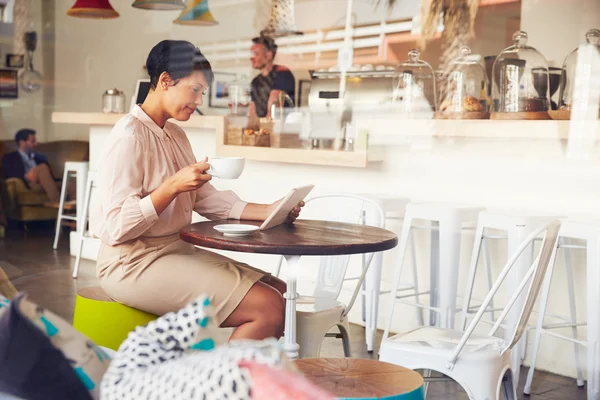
pixel 394 208
pixel 590 232
pixel 518 226
pixel 82 227
pixel 447 223
pixel 78 170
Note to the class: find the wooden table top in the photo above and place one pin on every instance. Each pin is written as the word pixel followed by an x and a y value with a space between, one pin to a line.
pixel 303 238
pixel 361 378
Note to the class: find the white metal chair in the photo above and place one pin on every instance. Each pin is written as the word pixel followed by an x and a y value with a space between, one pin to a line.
pixel 81 229
pixel 480 364
pixel 316 315
pixel 394 208
pixel 517 226
pixel 588 230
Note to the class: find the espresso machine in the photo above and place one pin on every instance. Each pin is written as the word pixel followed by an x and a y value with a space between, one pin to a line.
pixel 328 123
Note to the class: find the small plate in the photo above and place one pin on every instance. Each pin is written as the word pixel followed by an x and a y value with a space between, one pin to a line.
pixel 236 229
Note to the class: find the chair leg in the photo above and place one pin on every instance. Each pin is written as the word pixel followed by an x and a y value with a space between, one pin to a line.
pixel 415 274
pixel 508 386
pixel 573 310
pixel 540 322
pixel 488 273
pixel 345 331
pixel 406 227
pixel 82 226
pixel 278 268
pixel 61 204
pixel 471 278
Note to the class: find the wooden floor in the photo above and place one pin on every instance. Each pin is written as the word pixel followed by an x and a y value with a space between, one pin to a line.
pixel 45 275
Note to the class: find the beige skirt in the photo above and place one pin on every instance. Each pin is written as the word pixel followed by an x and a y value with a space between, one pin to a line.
pixel 160 275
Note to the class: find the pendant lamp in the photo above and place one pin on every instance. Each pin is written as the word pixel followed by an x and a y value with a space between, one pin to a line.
pixel 283 20
pixel 165 5
pixel 196 13
pixel 94 9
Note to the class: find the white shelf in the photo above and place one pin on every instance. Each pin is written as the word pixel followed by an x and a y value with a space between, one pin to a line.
pixel 381 127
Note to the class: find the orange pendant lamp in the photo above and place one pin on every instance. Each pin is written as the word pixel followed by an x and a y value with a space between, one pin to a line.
pixel 159 4
pixel 93 9
pixel 196 13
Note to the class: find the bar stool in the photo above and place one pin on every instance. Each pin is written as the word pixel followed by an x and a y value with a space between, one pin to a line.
pixel 447 220
pixel 394 208
pixel 590 232
pixel 78 170
pixel 82 227
pixel 518 226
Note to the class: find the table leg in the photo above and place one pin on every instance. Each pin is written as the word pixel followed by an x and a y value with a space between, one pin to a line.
pixel 290 345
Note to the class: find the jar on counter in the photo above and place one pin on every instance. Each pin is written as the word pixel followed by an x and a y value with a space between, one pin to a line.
pixel 466 89
pixel 113 101
pixel 520 82
pixel 414 88
pixel 570 67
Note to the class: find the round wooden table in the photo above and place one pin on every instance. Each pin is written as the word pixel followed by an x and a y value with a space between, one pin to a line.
pixel 352 378
pixel 303 238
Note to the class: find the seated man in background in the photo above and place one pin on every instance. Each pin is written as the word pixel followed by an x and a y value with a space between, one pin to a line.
pixel 29 166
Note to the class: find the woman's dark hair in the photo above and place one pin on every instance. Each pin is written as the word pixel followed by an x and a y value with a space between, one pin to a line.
pixel 179 59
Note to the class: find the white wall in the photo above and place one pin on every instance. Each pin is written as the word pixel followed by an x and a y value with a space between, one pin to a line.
pixel 555 27
pixel 93 55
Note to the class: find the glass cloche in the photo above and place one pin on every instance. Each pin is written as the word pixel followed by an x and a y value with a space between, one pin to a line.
pixel 414 85
pixel 567 82
pixel 520 75
pixel 466 88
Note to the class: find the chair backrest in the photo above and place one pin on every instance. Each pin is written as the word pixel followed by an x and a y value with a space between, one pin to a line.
pixel 340 208
pixel 535 275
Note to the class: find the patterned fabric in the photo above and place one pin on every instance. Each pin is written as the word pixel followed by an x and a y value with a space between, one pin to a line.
pixel 43 357
pixel 176 357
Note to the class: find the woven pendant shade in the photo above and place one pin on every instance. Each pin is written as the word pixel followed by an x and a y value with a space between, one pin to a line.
pixel 93 9
pixel 196 12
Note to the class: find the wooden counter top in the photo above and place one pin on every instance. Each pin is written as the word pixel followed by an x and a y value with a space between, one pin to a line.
pixel 98 118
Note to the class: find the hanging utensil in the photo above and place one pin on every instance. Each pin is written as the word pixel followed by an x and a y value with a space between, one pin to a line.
pixel 31 80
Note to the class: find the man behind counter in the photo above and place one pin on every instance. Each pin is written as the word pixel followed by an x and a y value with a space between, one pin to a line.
pixel 273 79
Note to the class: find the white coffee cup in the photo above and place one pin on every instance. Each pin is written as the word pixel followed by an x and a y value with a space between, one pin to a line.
pixel 226 167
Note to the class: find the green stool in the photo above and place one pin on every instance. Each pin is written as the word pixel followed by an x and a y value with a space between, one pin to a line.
pixel 103 320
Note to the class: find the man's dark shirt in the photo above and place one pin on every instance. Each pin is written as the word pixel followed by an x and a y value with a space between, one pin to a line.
pixel 280 78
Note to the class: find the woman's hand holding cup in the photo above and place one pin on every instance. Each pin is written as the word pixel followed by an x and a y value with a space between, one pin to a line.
pixel 191 177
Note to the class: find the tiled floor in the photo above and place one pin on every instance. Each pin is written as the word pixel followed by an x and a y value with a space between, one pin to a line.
pixel 45 274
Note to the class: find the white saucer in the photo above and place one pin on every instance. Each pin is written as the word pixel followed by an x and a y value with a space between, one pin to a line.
pixel 236 229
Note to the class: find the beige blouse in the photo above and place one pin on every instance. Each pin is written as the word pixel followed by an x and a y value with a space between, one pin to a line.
pixel 139 156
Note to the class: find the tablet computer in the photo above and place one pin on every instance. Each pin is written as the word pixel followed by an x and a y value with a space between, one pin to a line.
pixel 291 200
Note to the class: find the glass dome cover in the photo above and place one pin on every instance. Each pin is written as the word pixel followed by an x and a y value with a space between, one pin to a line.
pixel 414 85
pixel 567 81
pixel 466 89
pixel 520 75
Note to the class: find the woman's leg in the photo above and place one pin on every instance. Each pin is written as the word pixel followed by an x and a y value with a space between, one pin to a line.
pixel 276 283
pixel 163 280
pixel 261 314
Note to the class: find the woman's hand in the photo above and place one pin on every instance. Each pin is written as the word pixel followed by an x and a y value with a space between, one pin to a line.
pixel 295 212
pixel 191 177
pixel 292 216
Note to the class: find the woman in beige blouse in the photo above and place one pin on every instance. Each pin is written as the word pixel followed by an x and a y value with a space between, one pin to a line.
pixel 149 183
